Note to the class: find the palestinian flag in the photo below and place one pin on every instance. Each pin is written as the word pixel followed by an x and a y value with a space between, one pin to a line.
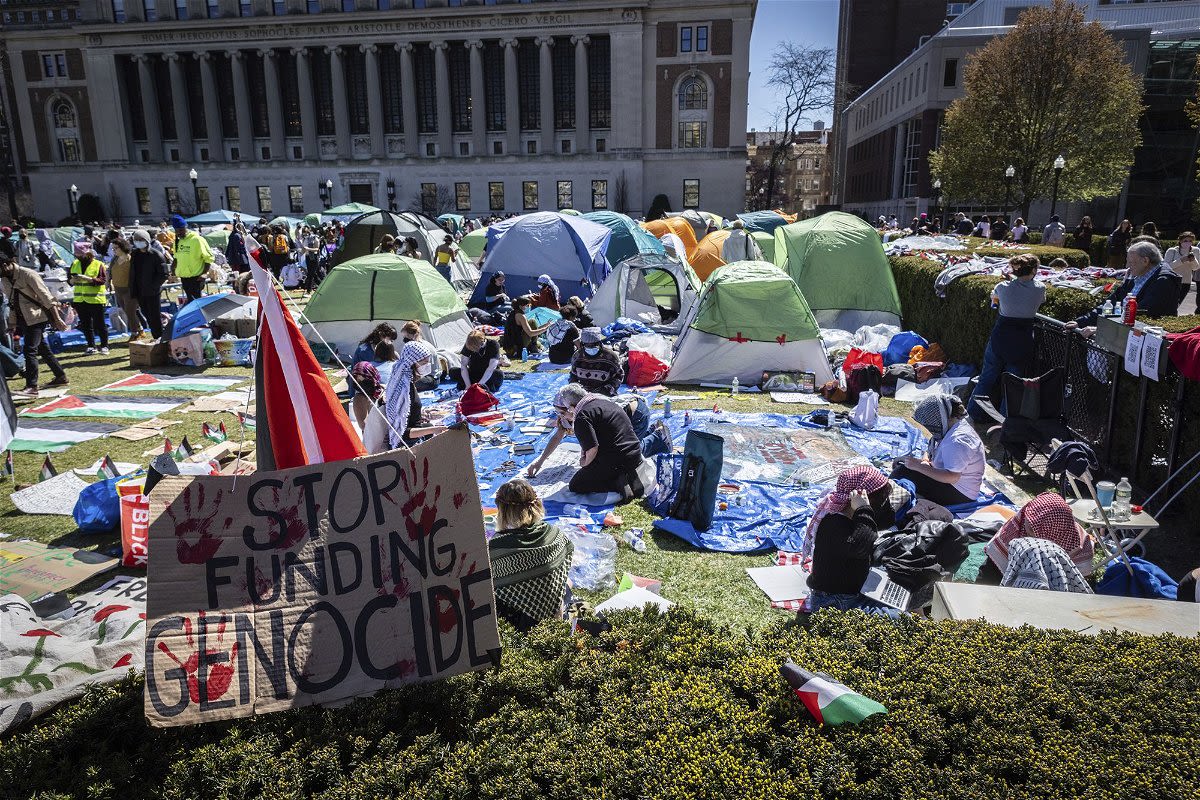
pixel 48 470
pixel 56 435
pixel 146 382
pixel 134 407
pixel 184 450
pixel 213 434
pixel 108 469
pixel 832 703
pixel 247 420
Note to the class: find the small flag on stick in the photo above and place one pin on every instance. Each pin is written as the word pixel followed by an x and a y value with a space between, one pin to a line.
pixel 48 470
pixel 108 469
pixel 184 450
pixel 830 702
pixel 8 462
pixel 213 434
pixel 168 448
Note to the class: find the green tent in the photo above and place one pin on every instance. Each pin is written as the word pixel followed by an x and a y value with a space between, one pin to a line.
pixel 349 210
pixel 473 243
pixel 383 287
pixel 218 238
pixel 766 243
pixel 837 261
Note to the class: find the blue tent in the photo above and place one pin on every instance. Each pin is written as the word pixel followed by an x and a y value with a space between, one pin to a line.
pixel 204 310
pixel 628 238
pixel 762 221
pixel 568 249
pixel 222 216
pixel 457 221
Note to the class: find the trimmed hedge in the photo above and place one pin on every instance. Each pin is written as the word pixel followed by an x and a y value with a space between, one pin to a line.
pixel 962 321
pixel 1073 257
pixel 1099 248
pixel 675 708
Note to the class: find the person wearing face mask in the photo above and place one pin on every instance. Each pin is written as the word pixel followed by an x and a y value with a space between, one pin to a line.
pixel 611 454
pixel 87 276
pixel 403 405
pixel 480 362
pixel 1182 261
pixel 595 367
pixel 147 274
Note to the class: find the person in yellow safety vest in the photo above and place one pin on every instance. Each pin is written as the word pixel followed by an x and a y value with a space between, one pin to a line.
pixel 192 257
pixel 88 279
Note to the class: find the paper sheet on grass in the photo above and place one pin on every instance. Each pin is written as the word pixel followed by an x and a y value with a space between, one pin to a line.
pixel 56 495
pixel 799 397
pixel 633 600
pixel 909 392
pixel 781 584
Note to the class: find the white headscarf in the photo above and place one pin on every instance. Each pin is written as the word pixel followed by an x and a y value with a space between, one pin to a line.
pixel 398 398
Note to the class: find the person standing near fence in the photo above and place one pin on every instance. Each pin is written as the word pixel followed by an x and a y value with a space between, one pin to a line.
pixel 1010 347
pixel 1182 261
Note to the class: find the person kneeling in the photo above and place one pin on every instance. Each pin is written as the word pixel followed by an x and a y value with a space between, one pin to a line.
pixel 480 362
pixel 610 451
pixel 398 421
pixel 596 367
pixel 954 470
pixel 530 558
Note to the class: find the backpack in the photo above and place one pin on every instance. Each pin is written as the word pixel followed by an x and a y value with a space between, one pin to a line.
pixel 696 488
pixel 279 245
pixel 476 400
pixel 863 377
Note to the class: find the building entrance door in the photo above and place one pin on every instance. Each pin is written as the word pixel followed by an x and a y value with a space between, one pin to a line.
pixel 362 193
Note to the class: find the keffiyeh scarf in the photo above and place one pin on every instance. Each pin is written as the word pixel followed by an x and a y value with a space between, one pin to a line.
pixel 1042 564
pixel 836 500
pixel 529 572
pixel 398 399
pixel 1047 517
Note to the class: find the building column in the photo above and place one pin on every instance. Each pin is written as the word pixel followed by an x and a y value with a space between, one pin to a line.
pixel 546 87
pixel 478 101
pixel 583 131
pixel 274 104
pixel 212 109
pixel 512 98
pixel 375 101
pixel 179 99
pixel 441 71
pixel 308 109
pixel 241 96
pixel 341 107
pixel 150 109
pixel 408 100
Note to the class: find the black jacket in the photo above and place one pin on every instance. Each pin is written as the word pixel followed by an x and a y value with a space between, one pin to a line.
pixel 842 551
pixel 1159 296
pixel 147 273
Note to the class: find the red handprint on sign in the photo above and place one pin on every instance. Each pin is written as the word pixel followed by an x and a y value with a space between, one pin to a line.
pixel 219 676
pixel 420 510
pixel 194 539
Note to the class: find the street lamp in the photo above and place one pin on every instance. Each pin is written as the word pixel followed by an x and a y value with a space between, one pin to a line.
pixel 328 193
pixel 391 194
pixel 195 189
pixel 73 200
pixel 1009 174
pixel 937 194
pixel 1060 164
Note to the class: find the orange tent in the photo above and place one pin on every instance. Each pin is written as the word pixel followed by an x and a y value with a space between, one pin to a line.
pixel 678 226
pixel 708 254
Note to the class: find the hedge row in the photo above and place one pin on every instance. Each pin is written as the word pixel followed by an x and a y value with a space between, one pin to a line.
pixel 675 708
pixel 1099 245
pixel 1074 258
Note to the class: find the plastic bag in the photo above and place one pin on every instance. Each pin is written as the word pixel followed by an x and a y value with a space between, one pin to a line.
pixel 874 338
pixel 645 369
pixel 859 356
pixel 866 413
pixel 594 562
pixel 652 343
pixel 98 509
pixel 900 346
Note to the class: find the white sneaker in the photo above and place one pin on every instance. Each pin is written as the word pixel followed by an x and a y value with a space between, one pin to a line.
pixel 91 351
pixel 103 351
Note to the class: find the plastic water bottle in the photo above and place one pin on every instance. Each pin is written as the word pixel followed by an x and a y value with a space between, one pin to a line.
pixel 687 419
pixel 634 538
pixel 1122 500
pixel 576 512
pixel 734 387
pixel 1107 309
pixel 667 407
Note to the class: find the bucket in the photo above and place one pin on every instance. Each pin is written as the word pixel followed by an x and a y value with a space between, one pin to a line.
pixel 233 352
pixel 135 529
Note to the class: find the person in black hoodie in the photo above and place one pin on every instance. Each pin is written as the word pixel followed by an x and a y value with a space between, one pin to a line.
pixel 147 274
pixel 1149 279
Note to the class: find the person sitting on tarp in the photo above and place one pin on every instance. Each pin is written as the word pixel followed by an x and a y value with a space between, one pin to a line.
pixel 953 471
pixel 518 333
pixel 530 558
pixel 595 367
pixel 842 535
pixel 403 405
pixel 563 336
pixel 480 362
pixel 1048 517
pixel 611 452
pixel 547 295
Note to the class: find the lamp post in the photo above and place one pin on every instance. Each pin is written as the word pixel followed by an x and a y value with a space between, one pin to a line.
pixel 73 200
pixel 194 176
pixel 1009 174
pixel 391 194
pixel 328 193
pixel 937 195
pixel 1060 164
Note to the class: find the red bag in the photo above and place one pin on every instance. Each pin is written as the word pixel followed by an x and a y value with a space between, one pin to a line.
pixel 135 530
pixel 645 369
pixel 857 356
pixel 476 400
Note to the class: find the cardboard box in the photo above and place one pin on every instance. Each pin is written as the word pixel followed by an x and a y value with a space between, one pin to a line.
pixel 148 354
pixel 240 328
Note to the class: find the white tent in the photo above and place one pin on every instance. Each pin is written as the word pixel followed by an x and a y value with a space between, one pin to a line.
pixel 642 287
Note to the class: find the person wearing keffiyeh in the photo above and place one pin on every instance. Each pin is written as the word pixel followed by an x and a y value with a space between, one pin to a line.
pixel 403 406
pixel 953 472
pixel 1042 564
pixel 1048 517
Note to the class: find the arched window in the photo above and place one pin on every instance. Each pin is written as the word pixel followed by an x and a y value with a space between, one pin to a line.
pixel 64 114
pixel 64 121
pixel 693 95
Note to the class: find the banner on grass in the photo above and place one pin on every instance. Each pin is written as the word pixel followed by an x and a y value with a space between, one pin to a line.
pixel 316 584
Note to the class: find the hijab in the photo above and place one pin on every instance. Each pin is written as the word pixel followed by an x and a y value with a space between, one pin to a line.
pixel 935 413
pixel 398 398
pixel 837 500
pixel 544 280
pixel 368 379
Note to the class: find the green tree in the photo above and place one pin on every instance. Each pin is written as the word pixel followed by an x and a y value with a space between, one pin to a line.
pixel 1054 85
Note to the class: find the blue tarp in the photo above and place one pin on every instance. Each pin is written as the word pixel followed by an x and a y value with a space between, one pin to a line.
pixel 762 221
pixel 568 249
pixel 222 216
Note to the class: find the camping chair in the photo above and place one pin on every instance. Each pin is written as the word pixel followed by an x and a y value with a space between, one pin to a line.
pixel 1076 462
pixel 1035 424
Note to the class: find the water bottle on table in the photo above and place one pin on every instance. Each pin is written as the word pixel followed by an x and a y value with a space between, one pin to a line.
pixel 1122 500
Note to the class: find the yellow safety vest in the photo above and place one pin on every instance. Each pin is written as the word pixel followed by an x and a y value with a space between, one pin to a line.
pixel 89 292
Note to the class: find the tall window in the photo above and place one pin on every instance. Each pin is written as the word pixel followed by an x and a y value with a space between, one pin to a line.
pixel 429 198
pixel 313 6
pixel 459 63
pixel 264 200
pixel 233 198
pixel 950 72
pixel 685 39
pixel 529 85
pixel 245 8
pixel 174 206
pixel 205 203
pixel 693 134
pixel 118 7
pixel 566 196
pixel 161 81
pixel 195 97
pixel 563 59
pixel 529 195
pixel 133 97
pixel 426 86
pixel 493 86
pixel 214 9
pixel 260 121
pixel 223 70
pixel 279 9
pixel 296 199
pixel 912 157
pixel 599 195
pixel 143 199
pixel 354 64
pixel 701 38
pixel 181 9
pixel 462 196
pixel 599 83
pixel 322 80
pixel 693 94
pixel 691 193
pixel 150 9
pixel 289 81
pixel 692 112
pixel 66 130
pixel 496 196
pixel 390 83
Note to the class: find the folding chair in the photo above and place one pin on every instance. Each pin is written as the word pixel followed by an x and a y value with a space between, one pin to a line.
pixel 1035 423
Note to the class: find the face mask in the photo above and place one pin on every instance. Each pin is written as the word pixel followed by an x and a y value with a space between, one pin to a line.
pixel 140 245
pixel 425 370
pixel 591 351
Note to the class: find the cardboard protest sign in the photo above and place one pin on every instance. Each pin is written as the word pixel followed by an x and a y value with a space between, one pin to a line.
pixel 316 584
pixel 33 570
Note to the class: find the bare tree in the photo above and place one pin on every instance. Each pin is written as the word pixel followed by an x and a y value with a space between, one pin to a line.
pixel 803 79
pixel 621 194
pixel 115 204
pixel 442 201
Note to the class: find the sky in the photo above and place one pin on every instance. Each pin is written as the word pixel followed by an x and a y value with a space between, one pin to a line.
pixel 805 22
